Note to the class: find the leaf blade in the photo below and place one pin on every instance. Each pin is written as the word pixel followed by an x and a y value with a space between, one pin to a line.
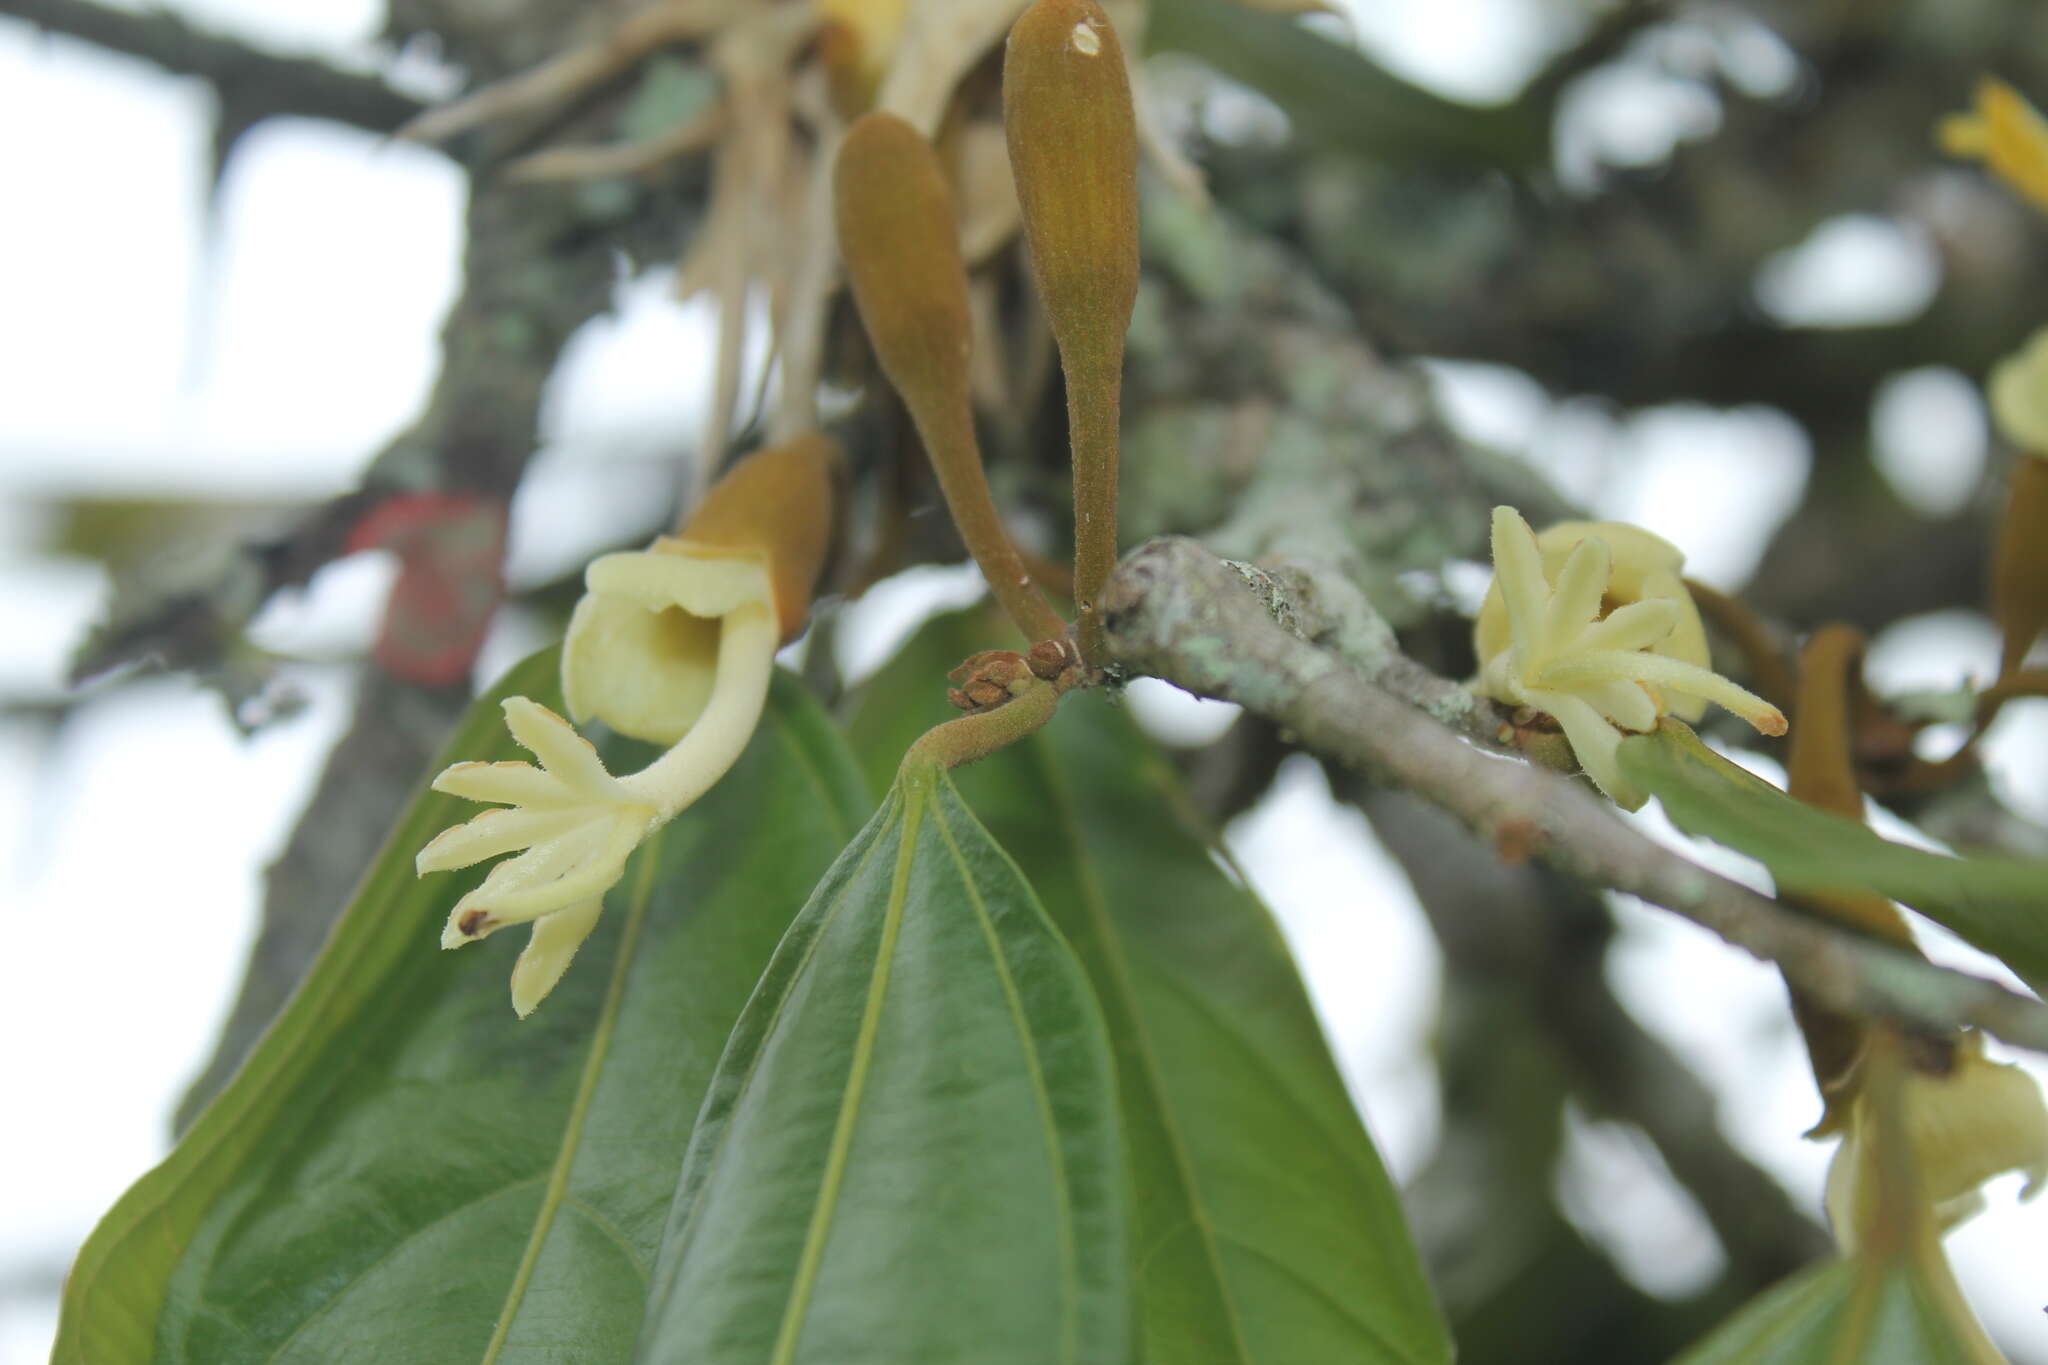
pixel 1214 1038
pixel 957 1189
pixel 377 1177
pixel 1998 904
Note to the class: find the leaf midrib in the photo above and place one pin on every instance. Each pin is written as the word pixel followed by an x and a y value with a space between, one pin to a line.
pixel 586 1094
pixel 1070 1325
pixel 1096 905
pixel 856 1085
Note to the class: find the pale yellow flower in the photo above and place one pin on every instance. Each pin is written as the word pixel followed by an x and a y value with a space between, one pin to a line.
pixel 1980 1120
pixel 2019 396
pixel 674 644
pixel 1593 626
pixel 2007 134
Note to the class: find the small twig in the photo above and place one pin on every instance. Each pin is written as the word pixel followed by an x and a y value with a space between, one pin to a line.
pixel 252 82
pixel 1177 612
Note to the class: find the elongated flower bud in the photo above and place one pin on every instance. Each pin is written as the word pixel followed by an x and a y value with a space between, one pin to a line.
pixel 783 499
pixel 1074 151
pixel 899 237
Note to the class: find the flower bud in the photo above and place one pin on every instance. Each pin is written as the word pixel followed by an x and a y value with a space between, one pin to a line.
pixel 1074 151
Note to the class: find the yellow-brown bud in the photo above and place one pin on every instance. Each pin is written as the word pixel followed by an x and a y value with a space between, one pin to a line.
pixel 1074 152
pixel 899 237
pixel 783 501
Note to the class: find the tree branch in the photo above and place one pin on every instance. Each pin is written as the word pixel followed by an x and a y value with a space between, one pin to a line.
pixel 252 83
pixel 1177 612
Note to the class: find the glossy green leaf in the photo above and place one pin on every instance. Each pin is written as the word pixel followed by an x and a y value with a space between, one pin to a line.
pixel 1998 904
pixel 1850 1312
pixel 910 1151
pixel 404 1171
pixel 1265 1229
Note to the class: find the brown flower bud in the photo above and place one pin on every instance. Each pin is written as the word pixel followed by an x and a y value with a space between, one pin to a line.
pixel 1074 152
pixel 782 500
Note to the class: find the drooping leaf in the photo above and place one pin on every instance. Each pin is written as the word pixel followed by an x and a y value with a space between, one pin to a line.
pixel 1998 904
pixel 910 1151
pixel 1265 1229
pixel 1848 1312
pixel 403 1171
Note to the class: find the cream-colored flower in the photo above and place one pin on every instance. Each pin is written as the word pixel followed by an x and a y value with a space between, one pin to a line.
pixel 674 644
pixel 2019 396
pixel 2007 134
pixel 1594 627
pixel 1979 1120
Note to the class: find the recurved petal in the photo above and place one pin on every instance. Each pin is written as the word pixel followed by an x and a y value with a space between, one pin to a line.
pixel 548 953
pixel 492 833
pixel 569 758
pixel 704 581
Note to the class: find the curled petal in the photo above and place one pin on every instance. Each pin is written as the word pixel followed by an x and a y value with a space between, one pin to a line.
pixel 746 664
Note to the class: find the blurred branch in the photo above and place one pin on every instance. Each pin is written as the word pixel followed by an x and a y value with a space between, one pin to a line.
pixel 252 83
pixel 1524 930
pixel 535 274
pixel 1177 612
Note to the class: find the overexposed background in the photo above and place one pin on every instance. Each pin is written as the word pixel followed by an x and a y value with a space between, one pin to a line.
pixel 266 356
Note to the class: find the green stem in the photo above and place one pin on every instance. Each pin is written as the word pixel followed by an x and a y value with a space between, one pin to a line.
pixel 976 737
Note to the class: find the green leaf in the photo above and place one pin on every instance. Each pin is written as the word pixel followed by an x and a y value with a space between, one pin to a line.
pixel 1998 904
pixel 1265 1229
pixel 1339 99
pixel 910 1151
pixel 1849 1312
pixel 403 1171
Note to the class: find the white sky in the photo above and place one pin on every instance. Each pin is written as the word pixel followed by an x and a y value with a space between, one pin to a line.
pixel 275 360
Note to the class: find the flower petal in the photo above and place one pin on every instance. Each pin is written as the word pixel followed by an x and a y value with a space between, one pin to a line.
pixel 1660 671
pixel 1638 625
pixel 492 833
pixel 517 784
pixel 1575 597
pixel 569 758
pixel 1594 744
pixel 746 665
pixel 1518 570
pixel 548 953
